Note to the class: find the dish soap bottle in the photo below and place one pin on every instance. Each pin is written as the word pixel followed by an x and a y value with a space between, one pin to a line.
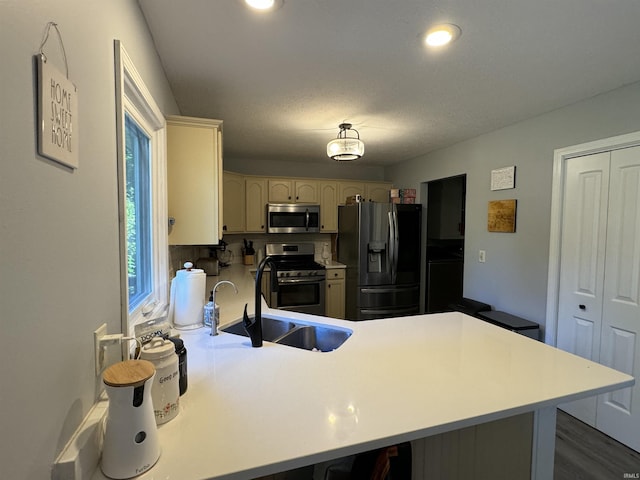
pixel 209 311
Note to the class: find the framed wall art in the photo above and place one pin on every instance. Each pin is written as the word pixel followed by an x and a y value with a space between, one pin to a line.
pixel 502 216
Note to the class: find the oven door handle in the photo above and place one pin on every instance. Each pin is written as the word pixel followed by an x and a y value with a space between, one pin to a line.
pixel 300 280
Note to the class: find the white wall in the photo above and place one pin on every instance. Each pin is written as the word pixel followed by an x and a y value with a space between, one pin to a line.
pixel 514 277
pixel 59 252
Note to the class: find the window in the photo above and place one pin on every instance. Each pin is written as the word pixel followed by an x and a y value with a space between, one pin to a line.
pixel 142 198
pixel 138 213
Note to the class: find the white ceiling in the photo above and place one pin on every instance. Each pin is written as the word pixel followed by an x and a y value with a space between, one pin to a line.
pixel 283 82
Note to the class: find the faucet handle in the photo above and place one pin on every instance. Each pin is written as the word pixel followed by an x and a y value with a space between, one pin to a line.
pixel 245 318
pixel 253 328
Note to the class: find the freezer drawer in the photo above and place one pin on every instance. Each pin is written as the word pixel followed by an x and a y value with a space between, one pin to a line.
pixel 391 296
pixel 373 313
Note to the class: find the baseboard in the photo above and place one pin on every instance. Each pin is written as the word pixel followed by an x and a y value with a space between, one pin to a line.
pixel 80 457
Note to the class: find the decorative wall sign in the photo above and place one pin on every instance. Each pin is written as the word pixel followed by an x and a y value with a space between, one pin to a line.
pixel 502 216
pixel 503 178
pixel 57 110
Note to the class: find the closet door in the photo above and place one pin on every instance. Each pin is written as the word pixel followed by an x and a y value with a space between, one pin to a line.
pixel 584 223
pixel 618 413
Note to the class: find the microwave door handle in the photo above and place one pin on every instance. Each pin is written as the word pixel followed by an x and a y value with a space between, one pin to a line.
pixel 306 219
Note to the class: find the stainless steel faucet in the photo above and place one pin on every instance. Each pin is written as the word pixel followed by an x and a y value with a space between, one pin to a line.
pixel 215 321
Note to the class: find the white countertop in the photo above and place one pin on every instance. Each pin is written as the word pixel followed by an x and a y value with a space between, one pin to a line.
pixel 255 411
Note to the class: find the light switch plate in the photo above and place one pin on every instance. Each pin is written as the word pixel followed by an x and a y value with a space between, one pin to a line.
pixel 482 256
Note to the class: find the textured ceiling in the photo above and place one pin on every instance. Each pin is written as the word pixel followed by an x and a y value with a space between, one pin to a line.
pixel 283 82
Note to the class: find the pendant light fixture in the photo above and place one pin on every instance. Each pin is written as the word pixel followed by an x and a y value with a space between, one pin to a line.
pixel 441 35
pixel 345 148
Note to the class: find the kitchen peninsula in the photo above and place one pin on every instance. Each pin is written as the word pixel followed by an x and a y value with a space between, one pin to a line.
pixel 256 411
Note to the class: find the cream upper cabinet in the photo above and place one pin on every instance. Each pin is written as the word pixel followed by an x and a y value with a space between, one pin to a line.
pixel 335 293
pixel 377 192
pixel 306 191
pixel 328 206
pixel 370 191
pixel 234 203
pixel 246 196
pixel 256 198
pixel 348 189
pixel 281 191
pixel 292 191
pixel 194 180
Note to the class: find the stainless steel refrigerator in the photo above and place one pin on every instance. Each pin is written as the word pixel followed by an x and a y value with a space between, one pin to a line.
pixel 380 245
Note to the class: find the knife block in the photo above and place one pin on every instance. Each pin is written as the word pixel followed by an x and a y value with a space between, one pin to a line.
pixel 248 259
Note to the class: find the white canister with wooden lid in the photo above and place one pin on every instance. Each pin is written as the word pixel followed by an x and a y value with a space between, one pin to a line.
pixel 165 391
pixel 131 444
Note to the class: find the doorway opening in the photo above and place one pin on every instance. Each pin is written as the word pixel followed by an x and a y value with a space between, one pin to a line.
pixel 444 256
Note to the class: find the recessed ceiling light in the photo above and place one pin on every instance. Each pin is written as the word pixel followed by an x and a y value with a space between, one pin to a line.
pixel 440 35
pixel 264 5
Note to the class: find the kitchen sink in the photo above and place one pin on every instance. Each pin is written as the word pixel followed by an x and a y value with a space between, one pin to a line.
pixel 315 337
pixel 306 336
pixel 272 328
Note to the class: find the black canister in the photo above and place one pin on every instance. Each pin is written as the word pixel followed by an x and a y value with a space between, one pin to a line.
pixel 181 351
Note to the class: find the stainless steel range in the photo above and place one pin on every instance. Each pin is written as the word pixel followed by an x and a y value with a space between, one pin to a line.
pixel 301 280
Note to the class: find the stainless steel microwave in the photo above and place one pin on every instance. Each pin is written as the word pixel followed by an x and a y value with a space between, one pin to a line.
pixel 293 218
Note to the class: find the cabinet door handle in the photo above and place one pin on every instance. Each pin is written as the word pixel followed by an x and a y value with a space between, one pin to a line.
pixel 582 307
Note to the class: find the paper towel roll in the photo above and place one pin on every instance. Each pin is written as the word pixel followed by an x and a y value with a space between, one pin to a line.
pixel 187 298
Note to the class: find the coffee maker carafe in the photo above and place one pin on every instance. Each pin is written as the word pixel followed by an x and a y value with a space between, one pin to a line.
pixel 131 444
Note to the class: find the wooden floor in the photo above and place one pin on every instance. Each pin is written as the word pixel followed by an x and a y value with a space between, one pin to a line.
pixel 584 453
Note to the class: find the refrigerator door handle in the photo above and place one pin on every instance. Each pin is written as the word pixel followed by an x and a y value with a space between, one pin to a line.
pixel 393 226
pixel 392 246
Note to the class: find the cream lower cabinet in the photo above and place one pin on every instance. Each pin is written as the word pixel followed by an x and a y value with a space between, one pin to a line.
pixel 335 291
pixel 194 180
pixel 233 218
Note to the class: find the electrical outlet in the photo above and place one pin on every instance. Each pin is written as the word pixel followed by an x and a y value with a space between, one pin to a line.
pixel 482 256
pixel 98 351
